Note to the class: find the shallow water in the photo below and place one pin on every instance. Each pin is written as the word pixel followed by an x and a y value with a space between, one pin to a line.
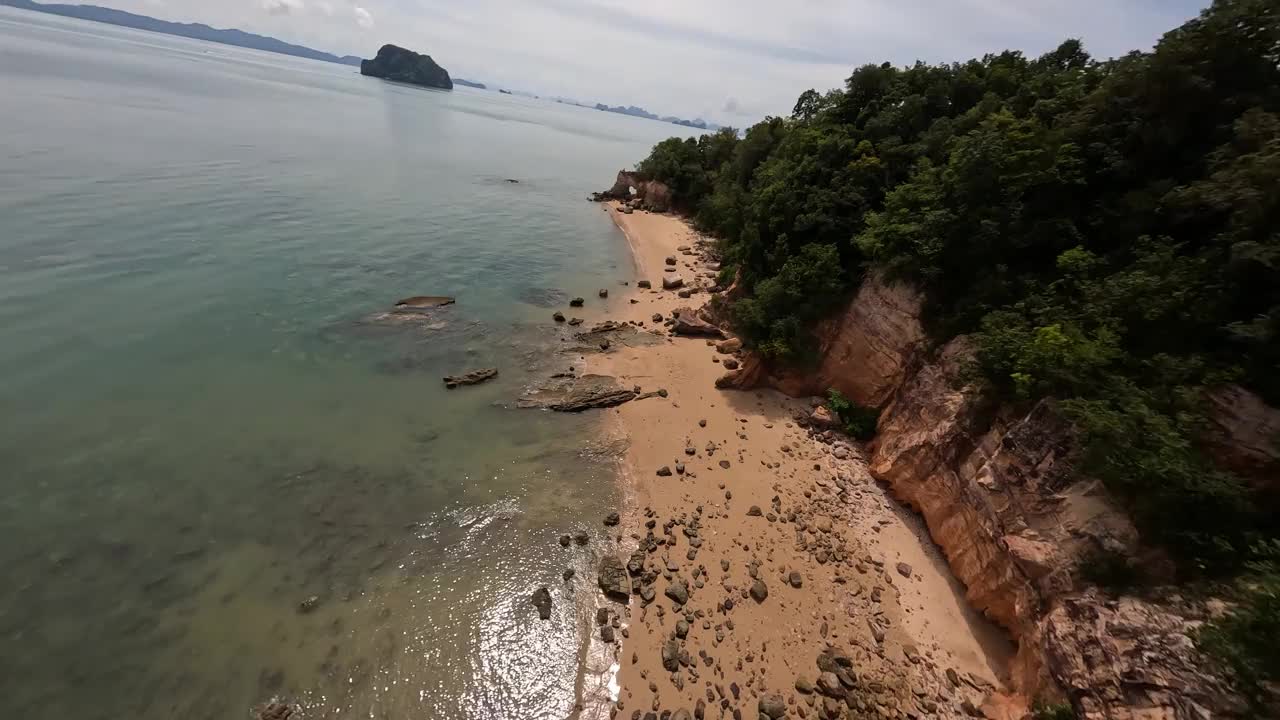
pixel 205 425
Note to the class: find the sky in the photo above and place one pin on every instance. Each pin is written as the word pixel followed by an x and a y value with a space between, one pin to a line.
pixel 728 61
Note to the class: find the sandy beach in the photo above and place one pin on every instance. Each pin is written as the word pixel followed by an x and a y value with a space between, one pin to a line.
pixel 774 565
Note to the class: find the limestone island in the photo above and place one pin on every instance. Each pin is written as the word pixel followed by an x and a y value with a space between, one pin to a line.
pixel 406 66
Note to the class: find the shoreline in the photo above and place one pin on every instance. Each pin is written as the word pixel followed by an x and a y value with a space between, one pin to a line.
pixel 848 572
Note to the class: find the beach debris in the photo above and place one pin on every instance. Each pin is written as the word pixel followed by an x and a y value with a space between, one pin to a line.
pixel 473 377
pixel 541 599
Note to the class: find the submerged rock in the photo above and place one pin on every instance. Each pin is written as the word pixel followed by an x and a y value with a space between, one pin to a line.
pixel 541 599
pixel 418 302
pixel 474 377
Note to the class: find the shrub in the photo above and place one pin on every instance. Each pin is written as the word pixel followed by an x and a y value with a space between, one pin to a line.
pixel 859 422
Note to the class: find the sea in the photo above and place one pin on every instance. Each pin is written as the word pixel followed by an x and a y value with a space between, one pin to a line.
pixel 227 473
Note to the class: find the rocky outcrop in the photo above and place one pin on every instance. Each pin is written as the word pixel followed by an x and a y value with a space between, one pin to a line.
pixel 1129 659
pixel 1001 495
pixel 866 351
pixel 690 324
pixel 406 66
pixel 1244 437
pixel 636 191
pixel 577 394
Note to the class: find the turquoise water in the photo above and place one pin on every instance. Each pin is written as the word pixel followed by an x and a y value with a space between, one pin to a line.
pixel 205 423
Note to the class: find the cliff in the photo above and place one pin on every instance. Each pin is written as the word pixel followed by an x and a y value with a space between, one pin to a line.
pixel 637 192
pixel 1000 493
pixel 400 65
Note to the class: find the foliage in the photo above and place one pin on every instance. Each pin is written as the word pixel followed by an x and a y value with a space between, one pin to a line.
pixel 1248 639
pixel 859 422
pixel 1108 233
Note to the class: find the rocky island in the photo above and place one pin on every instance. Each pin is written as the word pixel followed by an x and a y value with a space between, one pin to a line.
pixel 400 65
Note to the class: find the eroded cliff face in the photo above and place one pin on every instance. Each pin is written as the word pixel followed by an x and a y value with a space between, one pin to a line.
pixel 1000 494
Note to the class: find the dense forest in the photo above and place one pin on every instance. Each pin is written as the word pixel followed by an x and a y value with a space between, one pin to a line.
pixel 1108 232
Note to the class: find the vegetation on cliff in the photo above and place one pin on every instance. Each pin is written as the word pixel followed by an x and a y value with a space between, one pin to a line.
pixel 406 66
pixel 1108 231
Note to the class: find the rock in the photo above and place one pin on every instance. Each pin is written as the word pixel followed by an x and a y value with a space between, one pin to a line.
pixel 830 685
pixel 603 293
pixel 730 364
pixel 606 634
pixel 794 578
pixel 678 591
pixel 612 519
pixel 684 293
pixel 568 574
pixel 754 511
pixel 575 321
pixel 565 540
pixel 400 65
pixel 732 345
pixel 577 394
pixel 613 580
pixel 759 591
pixel 421 302
pixel 681 714
pixel 823 419
pixel 581 537
pixel 643 284
pixel 558 316
pixel 724 464
pixel 542 600
pixel 772 706
pixel 671 655
pixel 309 605
pixel 275 711
pixel 671 260
pixel 577 302
pixel 953 677
pixel 672 282
pixel 664 471
pixel 473 377
pixel 803 686
pixel 689 324
pixel 682 628
pixel 657 317
pixel 904 570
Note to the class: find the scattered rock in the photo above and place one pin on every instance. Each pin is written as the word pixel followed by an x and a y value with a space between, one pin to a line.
pixel 604 293
pixel 565 540
pixel 577 302
pixel 904 570
pixel 754 511
pixel 732 345
pixel 671 260
pixel 689 324
pixel 607 634
pixel 772 707
pixel 612 519
pixel 575 321
pixel 795 579
pixel 671 655
pixel 730 364
pixel 803 686
pixel 309 605
pixel 474 377
pixel 672 282
pixel 542 600
pixel 678 591
pixel 759 591
pixel 643 284
pixel 558 316
pixel 581 537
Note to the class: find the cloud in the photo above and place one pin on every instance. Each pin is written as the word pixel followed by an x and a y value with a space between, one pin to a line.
pixel 724 60
pixel 363 18
pixel 282 7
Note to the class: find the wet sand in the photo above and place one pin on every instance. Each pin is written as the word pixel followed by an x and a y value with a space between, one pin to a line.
pixel 848 572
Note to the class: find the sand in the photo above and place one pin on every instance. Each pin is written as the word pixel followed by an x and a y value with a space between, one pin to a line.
pixel 831 527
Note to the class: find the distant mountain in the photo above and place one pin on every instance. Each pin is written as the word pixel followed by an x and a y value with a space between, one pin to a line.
pixel 634 111
pixel 468 83
pixel 239 38
pixel 400 65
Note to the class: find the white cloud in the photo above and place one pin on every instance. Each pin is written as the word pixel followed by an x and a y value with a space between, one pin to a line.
pixel 282 7
pixel 676 57
pixel 363 18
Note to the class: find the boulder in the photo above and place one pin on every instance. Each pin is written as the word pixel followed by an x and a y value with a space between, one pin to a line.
pixel 689 324
pixel 613 580
pixel 672 282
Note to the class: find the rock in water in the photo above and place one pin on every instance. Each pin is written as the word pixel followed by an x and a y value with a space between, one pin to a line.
pixel 542 600
pixel 474 377
pixel 612 519
pixel 400 65
pixel 577 302
pixel 612 576
pixel 418 302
